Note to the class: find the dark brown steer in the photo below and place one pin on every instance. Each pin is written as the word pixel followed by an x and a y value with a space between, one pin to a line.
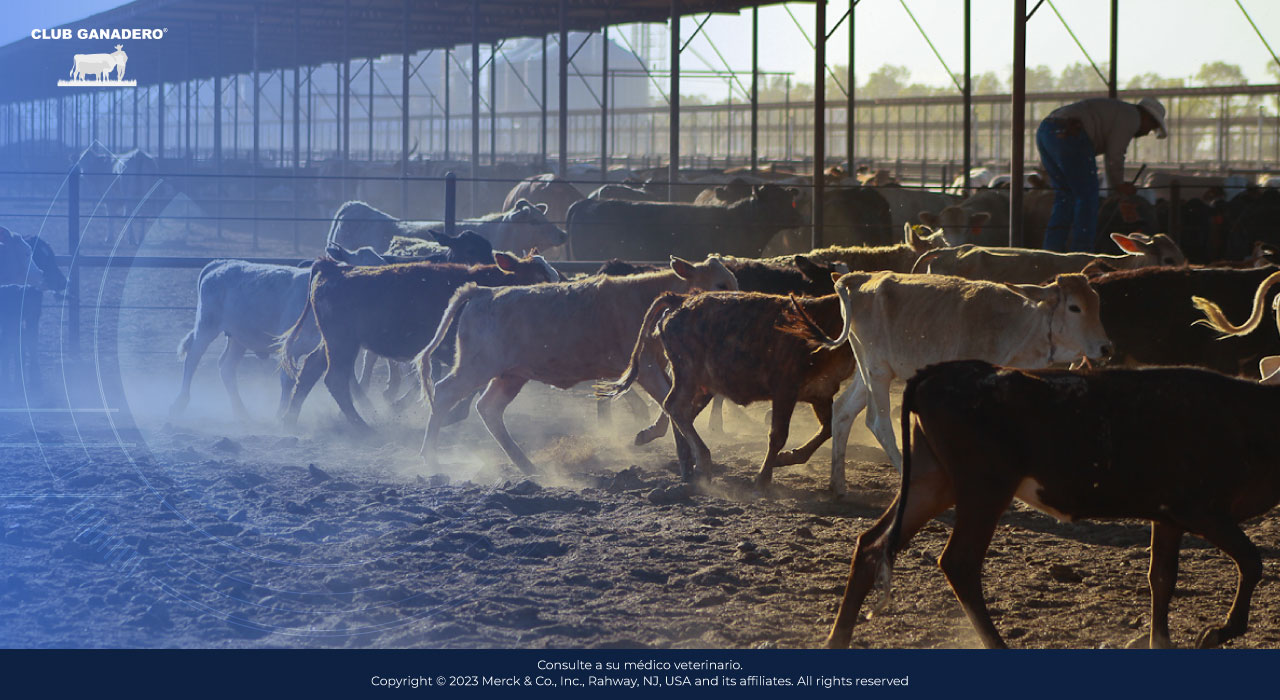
pixel 747 347
pixel 391 311
pixel 1071 445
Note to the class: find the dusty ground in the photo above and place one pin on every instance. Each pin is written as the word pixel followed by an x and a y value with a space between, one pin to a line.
pixel 202 532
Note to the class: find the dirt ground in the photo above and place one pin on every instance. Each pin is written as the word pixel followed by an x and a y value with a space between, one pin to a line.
pixel 204 532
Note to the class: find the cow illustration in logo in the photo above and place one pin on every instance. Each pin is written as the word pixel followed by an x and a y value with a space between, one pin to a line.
pixel 99 65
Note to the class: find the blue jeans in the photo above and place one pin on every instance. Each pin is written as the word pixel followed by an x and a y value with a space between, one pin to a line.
pixel 1073 172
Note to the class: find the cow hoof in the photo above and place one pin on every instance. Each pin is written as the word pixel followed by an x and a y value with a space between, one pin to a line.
pixel 1210 638
pixel 1142 641
pixel 835 641
pixel 647 436
pixel 788 458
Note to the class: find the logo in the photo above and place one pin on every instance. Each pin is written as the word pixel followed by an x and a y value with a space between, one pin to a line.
pixel 99 66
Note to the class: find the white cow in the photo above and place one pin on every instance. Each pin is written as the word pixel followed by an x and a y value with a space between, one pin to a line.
pixel 251 303
pixel 99 65
pixel 1028 266
pixel 899 324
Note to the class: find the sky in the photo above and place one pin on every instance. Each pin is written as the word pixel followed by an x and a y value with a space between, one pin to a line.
pixel 1169 37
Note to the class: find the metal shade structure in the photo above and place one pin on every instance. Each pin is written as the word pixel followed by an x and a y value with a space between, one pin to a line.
pixel 326 31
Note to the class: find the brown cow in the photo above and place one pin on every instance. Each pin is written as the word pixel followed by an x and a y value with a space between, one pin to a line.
pixel 356 307
pixel 747 347
pixel 1070 444
pixel 561 335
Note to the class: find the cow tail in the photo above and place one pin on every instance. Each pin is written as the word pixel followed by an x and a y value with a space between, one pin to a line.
pixel 423 361
pixel 659 306
pixel 1217 320
pixel 809 323
pixel 284 344
pixel 842 290
pixel 885 575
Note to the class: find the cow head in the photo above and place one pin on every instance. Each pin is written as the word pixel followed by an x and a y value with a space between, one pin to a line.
pixel 537 231
pixel 1075 326
pixel 955 225
pixel 821 277
pixel 531 269
pixel 1157 250
pixel 468 247
pixel 921 239
pixel 710 274
pixel 777 205
pixel 737 189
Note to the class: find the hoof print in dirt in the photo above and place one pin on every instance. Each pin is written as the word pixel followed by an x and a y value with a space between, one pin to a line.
pixel 649 576
pixel 524 487
pixel 667 495
pixel 226 445
pixel 433 481
pixel 187 454
pixel 1063 573
pixel 294 508
pixel 541 549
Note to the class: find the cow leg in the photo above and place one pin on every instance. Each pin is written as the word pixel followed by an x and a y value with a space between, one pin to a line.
pixel 495 399
pixel 314 364
pixel 716 423
pixel 639 409
pixel 977 515
pixel 448 392
pixel 783 407
pixel 692 453
pixel 879 420
pixel 930 494
pixel 683 405
pixel 656 429
pixel 203 336
pixel 655 383
pixel 801 454
pixel 1162 577
pixel 368 360
pixel 395 373
pixel 286 389
pixel 228 367
pixel 29 364
pixel 1228 537
pixel 847 406
pixel 411 394
pixel 340 377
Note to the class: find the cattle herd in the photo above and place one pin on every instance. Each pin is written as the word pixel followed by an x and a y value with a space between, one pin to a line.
pixel 997 347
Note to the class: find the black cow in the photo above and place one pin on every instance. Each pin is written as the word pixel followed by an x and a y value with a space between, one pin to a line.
pixel 976 436
pixel 604 229
pixel 1147 313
